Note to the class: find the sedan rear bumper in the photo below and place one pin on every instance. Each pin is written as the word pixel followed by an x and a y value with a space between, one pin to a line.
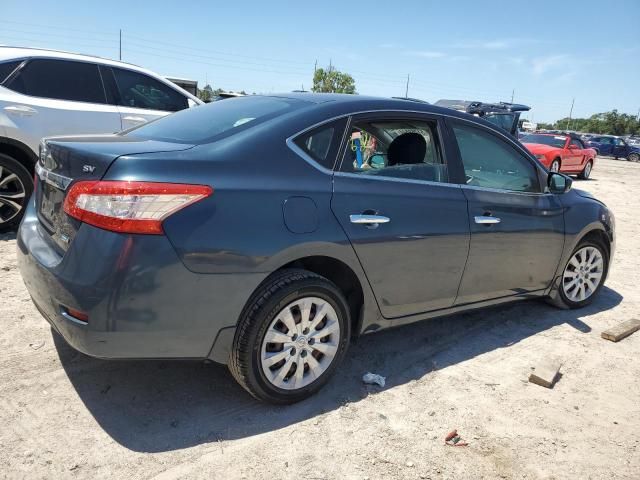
pixel 141 300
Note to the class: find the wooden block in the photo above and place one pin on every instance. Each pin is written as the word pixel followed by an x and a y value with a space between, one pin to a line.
pixel 622 330
pixel 546 372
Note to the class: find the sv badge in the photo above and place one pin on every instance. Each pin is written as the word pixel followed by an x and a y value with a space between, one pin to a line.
pixel 88 168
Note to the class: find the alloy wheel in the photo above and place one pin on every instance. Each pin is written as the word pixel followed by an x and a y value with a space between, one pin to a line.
pixel 587 170
pixel 300 343
pixel 634 157
pixel 555 166
pixel 583 274
pixel 12 195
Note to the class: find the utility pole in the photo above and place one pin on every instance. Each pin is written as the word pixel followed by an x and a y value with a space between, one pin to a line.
pixel 638 116
pixel 570 113
pixel 120 56
pixel 315 67
pixel 406 90
pixel 513 92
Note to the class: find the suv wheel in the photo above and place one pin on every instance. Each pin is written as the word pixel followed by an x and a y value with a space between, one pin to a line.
pixel 16 186
pixel 291 337
pixel 634 157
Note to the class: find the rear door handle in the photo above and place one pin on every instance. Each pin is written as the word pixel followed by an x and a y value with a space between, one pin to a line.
pixel 21 110
pixel 486 220
pixel 371 220
pixel 135 119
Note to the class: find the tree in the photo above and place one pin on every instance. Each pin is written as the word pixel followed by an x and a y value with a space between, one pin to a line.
pixel 333 81
pixel 206 94
pixel 609 123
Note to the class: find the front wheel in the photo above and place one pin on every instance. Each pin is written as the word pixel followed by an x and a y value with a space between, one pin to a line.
pixel 16 186
pixel 555 166
pixel 583 275
pixel 634 157
pixel 291 337
pixel 586 171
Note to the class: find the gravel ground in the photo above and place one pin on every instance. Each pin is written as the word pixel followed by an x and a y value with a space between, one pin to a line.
pixel 65 415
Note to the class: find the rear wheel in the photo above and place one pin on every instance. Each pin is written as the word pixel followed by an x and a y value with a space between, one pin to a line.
pixel 16 186
pixel 586 171
pixel 291 337
pixel 555 165
pixel 634 157
pixel 583 275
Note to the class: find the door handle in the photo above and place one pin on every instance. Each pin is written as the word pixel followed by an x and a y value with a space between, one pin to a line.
pixel 135 119
pixel 21 110
pixel 369 220
pixel 486 220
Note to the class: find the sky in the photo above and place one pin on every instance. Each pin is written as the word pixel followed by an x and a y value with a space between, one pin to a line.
pixel 544 53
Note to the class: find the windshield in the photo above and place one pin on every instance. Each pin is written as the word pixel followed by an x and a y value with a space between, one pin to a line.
pixel 551 140
pixel 205 123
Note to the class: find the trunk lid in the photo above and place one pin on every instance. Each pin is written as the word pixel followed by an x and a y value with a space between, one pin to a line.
pixel 64 160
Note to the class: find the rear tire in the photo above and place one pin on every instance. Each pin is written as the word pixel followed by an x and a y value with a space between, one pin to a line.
pixel 555 165
pixel 634 157
pixel 304 350
pixel 583 275
pixel 16 186
pixel 586 171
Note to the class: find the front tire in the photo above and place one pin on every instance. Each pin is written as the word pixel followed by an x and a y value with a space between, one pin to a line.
pixel 586 171
pixel 555 165
pixel 16 186
pixel 583 275
pixel 292 335
pixel 634 157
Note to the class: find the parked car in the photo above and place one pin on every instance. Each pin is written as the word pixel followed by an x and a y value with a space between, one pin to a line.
pixel 614 147
pixel 44 93
pixel 502 114
pixel 263 232
pixel 561 153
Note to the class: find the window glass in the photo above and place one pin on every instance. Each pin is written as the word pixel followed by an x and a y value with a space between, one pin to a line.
pixel 492 163
pixel 216 119
pixel 577 143
pixel 322 143
pixel 399 149
pixel 141 91
pixel 619 142
pixel 61 80
pixel 544 139
pixel 7 68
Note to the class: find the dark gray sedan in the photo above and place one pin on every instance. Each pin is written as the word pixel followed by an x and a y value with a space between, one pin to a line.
pixel 264 232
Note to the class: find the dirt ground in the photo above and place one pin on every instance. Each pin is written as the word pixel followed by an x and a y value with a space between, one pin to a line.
pixel 65 415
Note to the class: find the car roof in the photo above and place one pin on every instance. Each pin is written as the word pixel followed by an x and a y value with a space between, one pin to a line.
pixel 10 52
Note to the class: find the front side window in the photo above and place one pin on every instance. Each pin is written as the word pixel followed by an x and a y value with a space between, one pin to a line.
pixel 6 68
pixel 406 149
pixel 577 143
pixel 490 162
pixel 141 91
pixel 557 141
pixel 60 80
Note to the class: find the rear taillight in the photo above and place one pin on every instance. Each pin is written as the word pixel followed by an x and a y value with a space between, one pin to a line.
pixel 130 207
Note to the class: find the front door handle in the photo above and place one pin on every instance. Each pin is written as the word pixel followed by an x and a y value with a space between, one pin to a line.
pixel 370 220
pixel 486 220
pixel 21 110
pixel 135 119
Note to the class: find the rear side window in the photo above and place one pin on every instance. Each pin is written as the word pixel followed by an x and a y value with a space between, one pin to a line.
pixel 60 80
pixel 141 91
pixel 7 68
pixel 322 143
pixel 215 120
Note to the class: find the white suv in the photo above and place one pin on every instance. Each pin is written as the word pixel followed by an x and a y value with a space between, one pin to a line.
pixel 45 93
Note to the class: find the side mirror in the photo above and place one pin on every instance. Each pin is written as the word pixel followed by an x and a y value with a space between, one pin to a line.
pixel 572 147
pixel 376 161
pixel 558 182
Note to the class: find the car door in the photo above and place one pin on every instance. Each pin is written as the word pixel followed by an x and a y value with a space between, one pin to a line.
pixel 606 146
pixel 407 223
pixel 142 98
pixel 620 149
pixel 517 230
pixel 575 153
pixel 48 97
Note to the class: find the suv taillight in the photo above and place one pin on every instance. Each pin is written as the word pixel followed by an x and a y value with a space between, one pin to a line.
pixel 130 207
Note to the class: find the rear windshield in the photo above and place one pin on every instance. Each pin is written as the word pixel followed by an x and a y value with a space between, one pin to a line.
pixel 551 140
pixel 211 121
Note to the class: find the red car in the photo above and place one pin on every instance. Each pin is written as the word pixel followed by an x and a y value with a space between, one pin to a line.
pixel 561 153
